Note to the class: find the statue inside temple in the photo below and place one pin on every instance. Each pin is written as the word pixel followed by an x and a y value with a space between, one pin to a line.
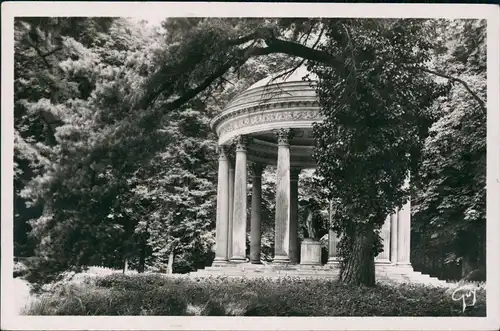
pixel 313 219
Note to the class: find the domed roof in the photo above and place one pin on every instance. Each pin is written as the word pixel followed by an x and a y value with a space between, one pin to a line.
pixel 278 87
pixel 296 76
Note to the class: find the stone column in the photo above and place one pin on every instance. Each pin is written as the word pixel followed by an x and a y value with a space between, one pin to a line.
pixel 404 234
pixel 385 233
pixel 333 240
pixel 231 203
pixel 404 231
pixel 282 221
pixel 294 211
pixel 240 201
pixel 255 222
pixel 394 237
pixel 222 216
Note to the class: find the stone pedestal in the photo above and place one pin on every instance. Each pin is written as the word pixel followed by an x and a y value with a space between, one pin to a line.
pixel 310 252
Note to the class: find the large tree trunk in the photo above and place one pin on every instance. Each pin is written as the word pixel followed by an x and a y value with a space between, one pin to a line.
pixel 359 267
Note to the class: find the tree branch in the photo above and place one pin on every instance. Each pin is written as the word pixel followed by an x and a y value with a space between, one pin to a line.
pixel 287 73
pixel 480 101
pixel 242 40
pixel 319 37
pixel 191 93
pixel 291 48
pixel 353 58
pixel 275 45
pixel 39 52
pixel 57 49
pixel 43 55
pixel 246 54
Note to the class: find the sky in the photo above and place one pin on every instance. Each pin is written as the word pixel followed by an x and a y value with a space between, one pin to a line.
pixel 154 20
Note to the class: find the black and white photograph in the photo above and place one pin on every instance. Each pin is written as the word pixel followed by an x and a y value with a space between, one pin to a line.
pixel 214 163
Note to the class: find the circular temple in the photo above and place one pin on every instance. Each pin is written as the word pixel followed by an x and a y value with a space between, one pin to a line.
pixel 271 104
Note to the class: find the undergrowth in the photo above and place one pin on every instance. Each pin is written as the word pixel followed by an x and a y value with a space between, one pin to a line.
pixel 145 294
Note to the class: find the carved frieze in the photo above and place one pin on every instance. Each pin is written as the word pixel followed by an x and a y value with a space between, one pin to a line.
pixel 267 117
pixel 231 113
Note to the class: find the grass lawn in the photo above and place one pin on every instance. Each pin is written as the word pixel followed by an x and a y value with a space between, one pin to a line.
pixel 149 294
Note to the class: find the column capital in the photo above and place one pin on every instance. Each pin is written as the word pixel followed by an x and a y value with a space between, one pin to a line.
pixel 222 150
pixel 284 135
pixel 257 168
pixel 294 173
pixel 241 143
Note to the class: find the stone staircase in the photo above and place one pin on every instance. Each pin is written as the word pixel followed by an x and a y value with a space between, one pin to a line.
pixel 384 273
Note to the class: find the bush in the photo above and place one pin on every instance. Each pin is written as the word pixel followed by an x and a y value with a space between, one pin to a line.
pixel 20 269
pixel 145 294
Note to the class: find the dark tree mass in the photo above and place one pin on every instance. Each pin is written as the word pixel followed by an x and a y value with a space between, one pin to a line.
pixel 115 160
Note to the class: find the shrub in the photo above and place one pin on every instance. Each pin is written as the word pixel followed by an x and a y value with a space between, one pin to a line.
pixel 20 269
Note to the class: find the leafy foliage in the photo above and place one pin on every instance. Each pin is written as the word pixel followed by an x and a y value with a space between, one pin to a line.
pixel 92 190
pixel 114 159
pixel 376 119
pixel 449 221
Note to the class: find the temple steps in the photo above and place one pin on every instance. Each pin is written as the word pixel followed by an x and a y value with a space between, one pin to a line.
pixel 384 273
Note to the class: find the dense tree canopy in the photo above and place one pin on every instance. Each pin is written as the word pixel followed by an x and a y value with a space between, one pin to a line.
pixel 114 157
pixel 450 194
pixel 376 117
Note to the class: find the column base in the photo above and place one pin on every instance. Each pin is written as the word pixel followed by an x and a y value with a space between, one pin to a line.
pixel 256 262
pixel 238 259
pixel 383 261
pixel 333 261
pixel 294 259
pixel 281 259
pixel 311 263
pixel 403 265
pixel 219 262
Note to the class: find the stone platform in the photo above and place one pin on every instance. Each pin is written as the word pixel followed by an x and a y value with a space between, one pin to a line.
pixel 385 273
